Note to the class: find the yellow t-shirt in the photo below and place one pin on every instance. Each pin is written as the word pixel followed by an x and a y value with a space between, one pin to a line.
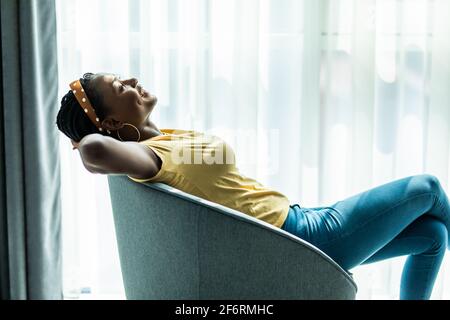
pixel 204 165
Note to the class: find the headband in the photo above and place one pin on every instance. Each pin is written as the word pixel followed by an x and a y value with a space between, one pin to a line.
pixel 85 104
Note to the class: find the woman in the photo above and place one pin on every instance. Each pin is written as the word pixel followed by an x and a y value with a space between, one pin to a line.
pixel 107 119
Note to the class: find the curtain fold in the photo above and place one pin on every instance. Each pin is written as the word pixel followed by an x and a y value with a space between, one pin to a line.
pixel 30 216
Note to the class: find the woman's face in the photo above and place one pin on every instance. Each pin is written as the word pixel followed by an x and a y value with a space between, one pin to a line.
pixel 126 101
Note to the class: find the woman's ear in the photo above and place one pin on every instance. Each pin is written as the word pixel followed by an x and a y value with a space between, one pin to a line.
pixel 111 124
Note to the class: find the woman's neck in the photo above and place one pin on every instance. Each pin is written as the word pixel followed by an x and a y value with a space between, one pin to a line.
pixel 149 130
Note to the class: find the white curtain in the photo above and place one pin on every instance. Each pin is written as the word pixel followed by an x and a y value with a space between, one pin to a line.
pixel 329 98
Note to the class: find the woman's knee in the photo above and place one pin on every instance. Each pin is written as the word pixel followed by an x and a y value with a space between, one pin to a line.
pixel 429 183
pixel 435 230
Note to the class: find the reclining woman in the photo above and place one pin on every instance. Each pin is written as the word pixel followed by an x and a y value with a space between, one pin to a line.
pixel 108 122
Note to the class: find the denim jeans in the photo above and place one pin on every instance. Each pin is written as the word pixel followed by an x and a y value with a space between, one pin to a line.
pixel 409 216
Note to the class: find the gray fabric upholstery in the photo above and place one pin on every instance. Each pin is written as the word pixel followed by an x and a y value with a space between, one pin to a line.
pixel 173 245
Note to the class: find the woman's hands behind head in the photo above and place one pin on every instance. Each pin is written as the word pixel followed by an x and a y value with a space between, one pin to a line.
pixel 74 144
pixel 106 155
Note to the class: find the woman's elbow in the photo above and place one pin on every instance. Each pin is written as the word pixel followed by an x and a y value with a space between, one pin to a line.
pixel 92 153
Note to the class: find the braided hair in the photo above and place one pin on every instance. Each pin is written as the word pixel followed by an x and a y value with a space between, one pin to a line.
pixel 72 120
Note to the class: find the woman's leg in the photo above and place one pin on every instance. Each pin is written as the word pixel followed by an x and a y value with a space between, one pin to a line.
pixel 425 242
pixel 361 225
pixel 353 230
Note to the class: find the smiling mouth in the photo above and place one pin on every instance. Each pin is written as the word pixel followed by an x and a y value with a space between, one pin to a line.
pixel 144 94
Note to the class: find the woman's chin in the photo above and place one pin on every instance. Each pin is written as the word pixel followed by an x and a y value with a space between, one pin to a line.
pixel 152 100
pixel 151 105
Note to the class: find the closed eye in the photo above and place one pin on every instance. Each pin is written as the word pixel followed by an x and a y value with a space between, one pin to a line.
pixel 121 87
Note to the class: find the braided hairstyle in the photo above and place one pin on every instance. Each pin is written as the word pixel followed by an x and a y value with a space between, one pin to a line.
pixel 72 120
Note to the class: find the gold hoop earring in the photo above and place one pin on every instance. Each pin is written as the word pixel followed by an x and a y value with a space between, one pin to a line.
pixel 129 124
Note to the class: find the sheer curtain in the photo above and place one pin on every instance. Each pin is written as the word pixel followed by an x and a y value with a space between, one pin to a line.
pixel 320 99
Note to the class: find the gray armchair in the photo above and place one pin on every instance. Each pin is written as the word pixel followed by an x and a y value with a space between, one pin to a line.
pixel 173 245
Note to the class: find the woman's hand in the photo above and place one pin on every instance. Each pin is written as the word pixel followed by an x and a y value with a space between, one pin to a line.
pixel 75 144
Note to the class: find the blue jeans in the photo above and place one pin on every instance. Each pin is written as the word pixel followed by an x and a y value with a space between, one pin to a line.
pixel 409 216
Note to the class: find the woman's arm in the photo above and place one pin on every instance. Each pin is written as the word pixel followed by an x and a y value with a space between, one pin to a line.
pixel 105 155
